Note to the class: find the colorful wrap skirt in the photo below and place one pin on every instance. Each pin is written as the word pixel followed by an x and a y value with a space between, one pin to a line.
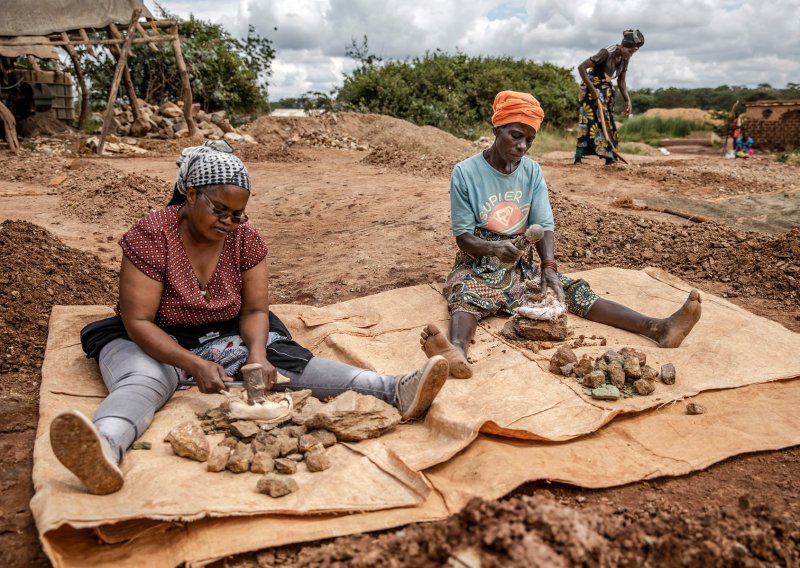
pixel 485 286
pixel 591 140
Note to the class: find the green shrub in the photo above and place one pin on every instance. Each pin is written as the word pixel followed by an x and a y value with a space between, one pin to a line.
pixel 789 157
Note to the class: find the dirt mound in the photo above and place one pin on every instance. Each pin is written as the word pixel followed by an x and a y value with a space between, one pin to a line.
pixel 751 263
pixel 29 167
pixel 396 144
pixel 95 192
pixel 38 271
pixel 281 153
pixel 41 125
pixel 685 113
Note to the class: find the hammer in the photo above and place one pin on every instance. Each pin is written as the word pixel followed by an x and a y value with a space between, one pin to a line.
pixel 253 382
pixel 532 235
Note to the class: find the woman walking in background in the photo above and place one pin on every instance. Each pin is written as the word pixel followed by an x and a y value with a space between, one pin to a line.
pixel 597 90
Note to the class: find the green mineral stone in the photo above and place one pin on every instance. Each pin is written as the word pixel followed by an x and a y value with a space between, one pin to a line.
pixel 141 445
pixel 606 392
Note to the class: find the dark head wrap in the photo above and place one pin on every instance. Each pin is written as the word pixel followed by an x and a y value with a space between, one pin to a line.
pixel 213 163
pixel 632 38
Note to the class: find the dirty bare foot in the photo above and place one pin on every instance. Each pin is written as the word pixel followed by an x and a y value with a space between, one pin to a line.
pixel 671 331
pixel 434 342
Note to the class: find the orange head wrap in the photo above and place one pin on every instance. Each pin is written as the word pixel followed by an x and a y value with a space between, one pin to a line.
pixel 511 106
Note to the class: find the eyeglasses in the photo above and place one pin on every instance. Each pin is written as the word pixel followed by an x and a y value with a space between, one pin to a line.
pixel 223 215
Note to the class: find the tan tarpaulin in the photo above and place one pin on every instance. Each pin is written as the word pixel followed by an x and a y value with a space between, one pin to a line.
pixel 510 395
pixel 42 17
pixel 41 51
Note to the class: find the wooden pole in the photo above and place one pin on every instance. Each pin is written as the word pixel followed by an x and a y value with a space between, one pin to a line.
pixel 10 127
pixel 73 54
pixel 112 96
pixel 113 31
pixel 86 42
pixel 153 47
pixel 187 88
pixel 57 41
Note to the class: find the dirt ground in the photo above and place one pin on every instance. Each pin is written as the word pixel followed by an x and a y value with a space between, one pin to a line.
pixel 352 205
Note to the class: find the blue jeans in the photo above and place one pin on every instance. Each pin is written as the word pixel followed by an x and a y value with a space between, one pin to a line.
pixel 138 386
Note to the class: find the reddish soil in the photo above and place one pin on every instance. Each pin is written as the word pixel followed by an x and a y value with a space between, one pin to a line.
pixel 355 205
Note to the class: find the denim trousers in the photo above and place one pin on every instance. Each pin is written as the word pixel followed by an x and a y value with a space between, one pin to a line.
pixel 138 386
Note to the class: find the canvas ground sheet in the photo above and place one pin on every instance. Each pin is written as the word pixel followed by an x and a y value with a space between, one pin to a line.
pixel 543 427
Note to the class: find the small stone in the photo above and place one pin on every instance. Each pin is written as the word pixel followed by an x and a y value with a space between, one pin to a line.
pixel 568 370
pixel 594 379
pixel 239 460
pixel 612 355
pixel 584 366
pixel 285 466
pixel 140 445
pixel 649 373
pixel 606 392
pixel 288 445
pixel 307 442
pixel 230 442
pixel 600 365
pixel 561 357
pixel 295 457
pixel 616 374
pixel 189 441
pixel 296 430
pixel 276 485
pixel 327 439
pixel 244 429
pixel 695 408
pixel 317 459
pixel 644 387
pixel 668 374
pixel 628 352
pixel 299 397
pixel 218 458
pixel 632 368
pixel 262 463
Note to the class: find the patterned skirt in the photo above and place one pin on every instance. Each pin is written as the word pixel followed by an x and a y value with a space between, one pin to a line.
pixel 485 286
pixel 591 140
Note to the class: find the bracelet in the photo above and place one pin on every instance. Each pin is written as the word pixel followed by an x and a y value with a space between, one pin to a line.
pixel 550 263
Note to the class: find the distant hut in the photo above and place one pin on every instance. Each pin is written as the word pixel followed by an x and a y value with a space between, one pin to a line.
pixel 774 125
pixel 33 29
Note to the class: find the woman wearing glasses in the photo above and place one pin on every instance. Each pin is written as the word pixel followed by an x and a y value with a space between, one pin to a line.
pixel 193 303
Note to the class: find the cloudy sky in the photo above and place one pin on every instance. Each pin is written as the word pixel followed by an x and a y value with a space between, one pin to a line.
pixel 688 43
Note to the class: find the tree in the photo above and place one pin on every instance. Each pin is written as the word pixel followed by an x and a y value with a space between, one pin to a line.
pixel 226 73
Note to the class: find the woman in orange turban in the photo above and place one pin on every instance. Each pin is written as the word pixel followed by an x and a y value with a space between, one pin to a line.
pixel 597 90
pixel 494 197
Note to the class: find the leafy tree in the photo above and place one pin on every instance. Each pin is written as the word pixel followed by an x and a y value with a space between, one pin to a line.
pixel 226 73
pixel 451 92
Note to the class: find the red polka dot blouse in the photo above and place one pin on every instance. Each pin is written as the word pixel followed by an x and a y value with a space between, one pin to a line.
pixel 155 247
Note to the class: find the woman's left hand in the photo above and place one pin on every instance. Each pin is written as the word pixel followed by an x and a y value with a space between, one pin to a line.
pixel 269 374
pixel 628 108
pixel 551 280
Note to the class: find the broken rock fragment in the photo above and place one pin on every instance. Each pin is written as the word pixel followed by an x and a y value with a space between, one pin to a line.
pixel 695 408
pixel 353 417
pixel 317 459
pixel 644 387
pixel 189 441
pixel 218 458
pixel 561 357
pixel 285 466
pixel 668 374
pixel 240 458
pixel 262 463
pixel 276 485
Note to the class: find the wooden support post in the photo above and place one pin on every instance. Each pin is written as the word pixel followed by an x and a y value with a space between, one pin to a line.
pixel 113 31
pixel 112 96
pixel 73 54
pixel 187 88
pixel 87 42
pixel 34 63
pixel 153 47
pixel 10 127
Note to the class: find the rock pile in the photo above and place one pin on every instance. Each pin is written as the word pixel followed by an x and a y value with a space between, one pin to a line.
pixel 166 121
pixel 614 374
pixel 277 450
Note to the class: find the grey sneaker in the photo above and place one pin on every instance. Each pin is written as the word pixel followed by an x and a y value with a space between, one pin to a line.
pixel 416 390
pixel 79 446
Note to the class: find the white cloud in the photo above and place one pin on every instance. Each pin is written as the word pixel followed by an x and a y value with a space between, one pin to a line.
pixel 689 43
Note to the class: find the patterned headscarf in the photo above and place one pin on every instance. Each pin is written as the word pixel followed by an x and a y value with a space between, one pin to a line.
pixel 213 163
pixel 632 38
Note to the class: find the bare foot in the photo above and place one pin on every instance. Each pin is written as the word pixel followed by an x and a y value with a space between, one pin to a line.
pixel 671 331
pixel 434 342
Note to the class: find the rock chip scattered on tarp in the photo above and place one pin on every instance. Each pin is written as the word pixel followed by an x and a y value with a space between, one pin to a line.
pixel 562 357
pixel 244 429
pixel 285 466
pixel 276 485
pixel 644 387
pixel 189 441
pixel 606 392
pixel 240 458
pixel 668 374
pixel 218 458
pixel 317 459
pixel 695 408
pixel 262 463
pixel 353 417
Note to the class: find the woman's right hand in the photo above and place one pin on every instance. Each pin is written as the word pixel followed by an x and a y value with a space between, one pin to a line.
pixel 210 377
pixel 506 251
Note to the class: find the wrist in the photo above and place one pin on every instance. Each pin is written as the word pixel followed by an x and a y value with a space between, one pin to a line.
pixel 548 263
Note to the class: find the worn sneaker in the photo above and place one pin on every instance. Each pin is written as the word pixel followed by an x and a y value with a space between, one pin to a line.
pixel 416 390
pixel 79 446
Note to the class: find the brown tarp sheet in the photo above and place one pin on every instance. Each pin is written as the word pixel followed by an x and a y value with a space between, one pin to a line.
pixel 42 17
pixel 546 422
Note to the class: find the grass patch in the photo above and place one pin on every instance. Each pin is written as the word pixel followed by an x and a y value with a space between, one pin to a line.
pixel 791 157
pixel 651 130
